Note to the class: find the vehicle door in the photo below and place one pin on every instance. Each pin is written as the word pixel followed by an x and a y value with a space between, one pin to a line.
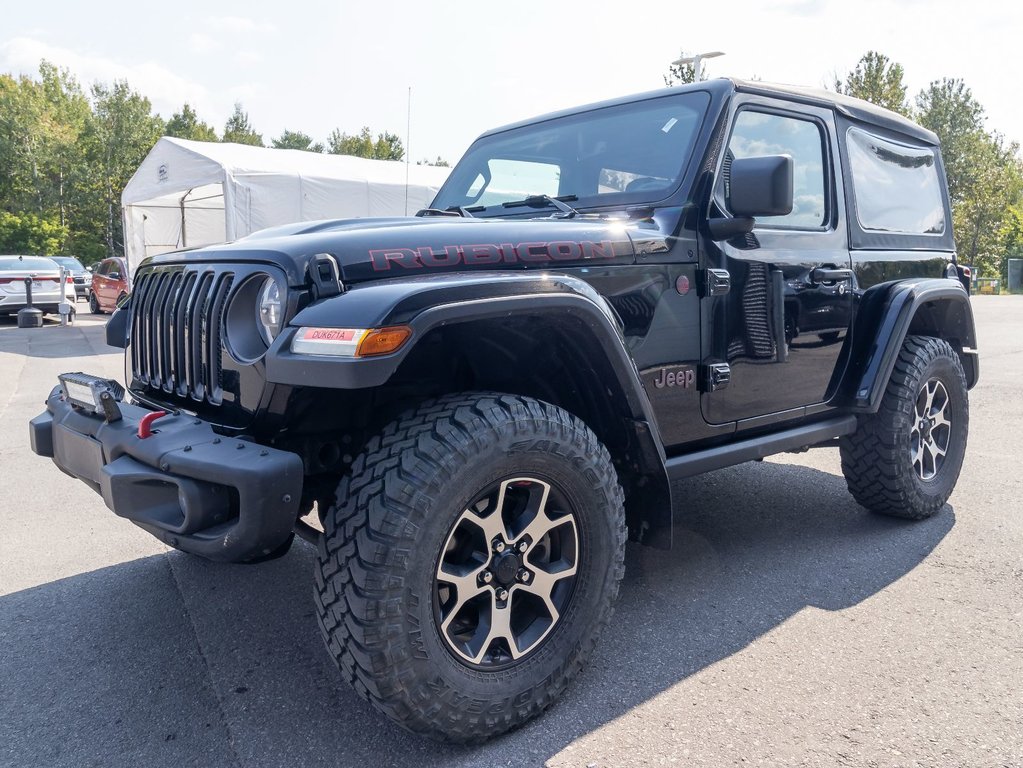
pixel 99 280
pixel 778 329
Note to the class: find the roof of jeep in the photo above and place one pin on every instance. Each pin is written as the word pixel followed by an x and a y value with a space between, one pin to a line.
pixel 855 109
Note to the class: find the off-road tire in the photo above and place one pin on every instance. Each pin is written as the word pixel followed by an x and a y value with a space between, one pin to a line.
pixel 378 558
pixel 877 459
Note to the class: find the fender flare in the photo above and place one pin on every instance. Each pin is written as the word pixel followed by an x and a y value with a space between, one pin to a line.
pixel 889 312
pixel 427 304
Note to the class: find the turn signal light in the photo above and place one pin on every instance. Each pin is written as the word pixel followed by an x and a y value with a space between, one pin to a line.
pixel 350 342
pixel 382 341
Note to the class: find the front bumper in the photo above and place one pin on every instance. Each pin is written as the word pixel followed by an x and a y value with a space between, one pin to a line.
pixel 221 498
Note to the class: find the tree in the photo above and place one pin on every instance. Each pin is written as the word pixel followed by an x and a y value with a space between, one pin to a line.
pixel 120 135
pixel 238 129
pixel 29 234
pixel 985 175
pixel 680 74
pixel 438 163
pixel 1012 239
pixel 187 125
pixel 296 140
pixel 388 146
pixel 879 80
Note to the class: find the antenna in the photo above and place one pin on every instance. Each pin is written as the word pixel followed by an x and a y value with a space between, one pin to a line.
pixel 408 142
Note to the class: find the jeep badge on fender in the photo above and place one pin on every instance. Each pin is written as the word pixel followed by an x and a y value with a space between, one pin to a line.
pixel 482 403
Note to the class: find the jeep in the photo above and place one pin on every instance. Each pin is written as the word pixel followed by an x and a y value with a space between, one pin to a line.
pixel 470 411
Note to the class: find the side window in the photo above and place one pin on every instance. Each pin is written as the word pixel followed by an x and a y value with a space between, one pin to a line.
pixel 102 268
pixel 896 187
pixel 760 133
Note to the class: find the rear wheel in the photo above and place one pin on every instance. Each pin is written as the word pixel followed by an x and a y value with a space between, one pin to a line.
pixel 905 459
pixel 470 562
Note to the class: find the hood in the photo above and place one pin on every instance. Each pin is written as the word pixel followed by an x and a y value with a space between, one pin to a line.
pixel 373 249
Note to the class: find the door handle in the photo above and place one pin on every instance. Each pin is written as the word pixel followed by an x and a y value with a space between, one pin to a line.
pixel 829 275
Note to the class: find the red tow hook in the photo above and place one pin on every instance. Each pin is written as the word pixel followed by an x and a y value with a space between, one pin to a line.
pixel 146 424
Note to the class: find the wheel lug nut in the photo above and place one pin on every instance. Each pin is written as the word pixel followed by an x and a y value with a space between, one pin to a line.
pixel 502 594
pixel 524 575
pixel 486 577
pixel 523 546
pixel 499 546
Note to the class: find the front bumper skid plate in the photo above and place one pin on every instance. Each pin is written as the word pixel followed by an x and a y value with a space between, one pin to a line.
pixel 222 498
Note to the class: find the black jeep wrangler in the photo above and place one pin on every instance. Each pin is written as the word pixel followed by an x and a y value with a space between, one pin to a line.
pixel 482 402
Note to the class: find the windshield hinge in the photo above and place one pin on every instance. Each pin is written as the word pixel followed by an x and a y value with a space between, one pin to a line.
pixel 324 273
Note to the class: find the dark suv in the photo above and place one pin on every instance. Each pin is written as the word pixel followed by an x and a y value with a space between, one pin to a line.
pixel 469 411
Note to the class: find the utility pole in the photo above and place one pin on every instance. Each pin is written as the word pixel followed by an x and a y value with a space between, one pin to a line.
pixel 697 61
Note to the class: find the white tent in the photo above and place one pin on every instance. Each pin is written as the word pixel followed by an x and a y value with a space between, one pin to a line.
pixel 193 193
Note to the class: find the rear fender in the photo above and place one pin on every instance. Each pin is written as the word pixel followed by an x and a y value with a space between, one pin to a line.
pixel 887 313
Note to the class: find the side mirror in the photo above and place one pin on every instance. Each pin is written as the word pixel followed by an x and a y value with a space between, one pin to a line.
pixel 114 275
pixel 761 186
pixel 89 268
pixel 757 186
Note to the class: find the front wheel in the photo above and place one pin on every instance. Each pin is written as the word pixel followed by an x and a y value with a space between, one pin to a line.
pixel 904 460
pixel 470 562
pixel 94 304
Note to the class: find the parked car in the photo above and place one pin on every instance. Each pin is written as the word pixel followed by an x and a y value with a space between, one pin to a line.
pixel 81 276
pixel 109 285
pixel 45 284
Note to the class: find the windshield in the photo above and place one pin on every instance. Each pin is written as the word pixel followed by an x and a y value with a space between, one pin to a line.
pixel 629 153
pixel 68 262
pixel 29 263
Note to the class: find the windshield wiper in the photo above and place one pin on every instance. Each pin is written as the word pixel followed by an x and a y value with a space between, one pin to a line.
pixel 543 201
pixel 454 210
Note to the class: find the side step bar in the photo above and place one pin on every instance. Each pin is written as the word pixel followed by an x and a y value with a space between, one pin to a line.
pixel 752 448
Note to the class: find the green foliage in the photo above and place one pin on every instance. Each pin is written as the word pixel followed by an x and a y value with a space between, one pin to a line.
pixel 1012 239
pixel 31 235
pixel 122 131
pixel 438 163
pixel 296 140
pixel 985 175
pixel 238 129
pixel 388 146
pixel 680 74
pixel 879 80
pixel 187 125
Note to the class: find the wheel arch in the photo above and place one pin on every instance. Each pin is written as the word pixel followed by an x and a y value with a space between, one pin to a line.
pixel 560 346
pixel 886 315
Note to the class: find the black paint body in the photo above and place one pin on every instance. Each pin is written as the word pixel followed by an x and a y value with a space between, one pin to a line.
pixel 606 313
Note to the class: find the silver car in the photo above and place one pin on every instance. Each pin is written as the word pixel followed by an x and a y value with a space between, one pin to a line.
pixel 45 276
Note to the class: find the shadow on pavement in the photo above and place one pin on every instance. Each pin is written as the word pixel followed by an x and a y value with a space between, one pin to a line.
pixel 171 660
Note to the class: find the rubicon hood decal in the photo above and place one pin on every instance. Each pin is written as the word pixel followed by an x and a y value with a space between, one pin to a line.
pixel 384 259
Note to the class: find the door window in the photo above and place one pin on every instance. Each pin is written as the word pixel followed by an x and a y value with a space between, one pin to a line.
pixel 756 134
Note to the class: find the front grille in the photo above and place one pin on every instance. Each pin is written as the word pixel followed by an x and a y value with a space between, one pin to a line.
pixel 177 331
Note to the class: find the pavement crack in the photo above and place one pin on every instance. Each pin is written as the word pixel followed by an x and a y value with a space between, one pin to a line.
pixel 206 664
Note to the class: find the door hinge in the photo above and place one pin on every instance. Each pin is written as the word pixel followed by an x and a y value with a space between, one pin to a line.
pixel 715 376
pixel 715 282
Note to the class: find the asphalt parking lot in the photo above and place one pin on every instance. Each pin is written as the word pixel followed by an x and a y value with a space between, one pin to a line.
pixel 789 627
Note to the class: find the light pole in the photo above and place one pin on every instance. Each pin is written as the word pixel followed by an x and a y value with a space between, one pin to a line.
pixel 697 61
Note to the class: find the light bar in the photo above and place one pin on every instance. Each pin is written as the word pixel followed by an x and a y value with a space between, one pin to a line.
pixel 87 392
pixel 350 342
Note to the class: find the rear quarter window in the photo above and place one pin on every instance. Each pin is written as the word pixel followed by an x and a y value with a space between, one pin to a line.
pixel 896 187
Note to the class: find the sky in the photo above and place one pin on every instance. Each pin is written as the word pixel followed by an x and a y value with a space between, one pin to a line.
pixel 316 66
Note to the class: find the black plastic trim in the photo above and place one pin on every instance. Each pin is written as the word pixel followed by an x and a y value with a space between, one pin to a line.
pixel 883 321
pixel 225 500
pixel 752 448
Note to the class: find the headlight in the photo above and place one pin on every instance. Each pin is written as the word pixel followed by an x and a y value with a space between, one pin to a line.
pixel 269 310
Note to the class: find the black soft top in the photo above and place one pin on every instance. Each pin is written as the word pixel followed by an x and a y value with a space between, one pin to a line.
pixel 854 109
